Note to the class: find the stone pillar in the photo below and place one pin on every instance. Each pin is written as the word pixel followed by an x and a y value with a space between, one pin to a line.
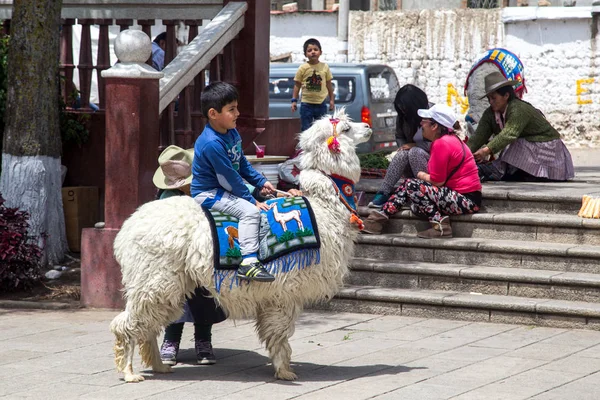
pixel 132 135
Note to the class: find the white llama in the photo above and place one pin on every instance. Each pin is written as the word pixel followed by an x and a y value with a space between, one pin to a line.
pixel 165 251
pixel 283 218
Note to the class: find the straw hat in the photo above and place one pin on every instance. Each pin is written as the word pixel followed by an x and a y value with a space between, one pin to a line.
pixel 175 168
pixel 495 81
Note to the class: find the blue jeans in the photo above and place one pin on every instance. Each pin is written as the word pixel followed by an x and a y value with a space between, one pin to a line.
pixel 311 112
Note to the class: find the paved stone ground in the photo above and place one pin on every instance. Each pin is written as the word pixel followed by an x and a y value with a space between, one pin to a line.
pixel 68 354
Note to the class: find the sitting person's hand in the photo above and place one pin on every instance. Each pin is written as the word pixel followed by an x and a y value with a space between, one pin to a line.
pixel 423 176
pixel 295 192
pixel 407 146
pixel 262 206
pixel 267 189
pixel 481 154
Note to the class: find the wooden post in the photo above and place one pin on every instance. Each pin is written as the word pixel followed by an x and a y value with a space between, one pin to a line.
pixel 86 65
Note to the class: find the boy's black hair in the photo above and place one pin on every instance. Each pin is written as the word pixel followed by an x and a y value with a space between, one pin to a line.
pixel 217 95
pixel 312 41
pixel 160 36
pixel 408 100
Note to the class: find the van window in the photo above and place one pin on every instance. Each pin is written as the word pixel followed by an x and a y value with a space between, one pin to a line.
pixel 383 85
pixel 281 88
pixel 344 89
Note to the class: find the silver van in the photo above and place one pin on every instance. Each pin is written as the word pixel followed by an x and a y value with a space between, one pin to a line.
pixel 367 91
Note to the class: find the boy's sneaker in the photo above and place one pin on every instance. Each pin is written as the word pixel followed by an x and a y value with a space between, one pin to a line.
pixel 379 200
pixel 254 271
pixel 168 352
pixel 204 353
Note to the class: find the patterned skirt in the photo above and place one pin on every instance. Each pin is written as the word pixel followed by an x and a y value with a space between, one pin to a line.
pixel 550 160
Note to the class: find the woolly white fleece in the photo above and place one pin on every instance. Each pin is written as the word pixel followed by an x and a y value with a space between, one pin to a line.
pixel 165 251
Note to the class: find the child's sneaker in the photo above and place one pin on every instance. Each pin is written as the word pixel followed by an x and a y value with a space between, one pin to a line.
pixel 204 353
pixel 379 200
pixel 254 271
pixel 168 352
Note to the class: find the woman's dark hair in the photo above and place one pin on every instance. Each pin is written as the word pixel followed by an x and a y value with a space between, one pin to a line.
pixel 217 95
pixel 408 100
pixel 312 41
pixel 160 36
pixel 507 89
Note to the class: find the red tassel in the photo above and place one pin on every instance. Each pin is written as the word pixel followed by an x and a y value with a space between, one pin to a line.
pixel 354 219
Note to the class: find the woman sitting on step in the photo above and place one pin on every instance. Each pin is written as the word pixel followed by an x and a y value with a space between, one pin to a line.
pixel 413 150
pixel 451 187
pixel 530 148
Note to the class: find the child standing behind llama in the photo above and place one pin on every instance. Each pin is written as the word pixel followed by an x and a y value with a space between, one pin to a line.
pixel 218 168
pixel 173 178
pixel 314 77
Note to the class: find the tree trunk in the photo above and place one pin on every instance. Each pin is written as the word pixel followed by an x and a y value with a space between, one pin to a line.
pixel 31 174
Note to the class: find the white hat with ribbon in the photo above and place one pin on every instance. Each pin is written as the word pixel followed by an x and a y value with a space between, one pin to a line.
pixel 175 168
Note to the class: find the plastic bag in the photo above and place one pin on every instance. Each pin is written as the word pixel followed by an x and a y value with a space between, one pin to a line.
pixel 290 170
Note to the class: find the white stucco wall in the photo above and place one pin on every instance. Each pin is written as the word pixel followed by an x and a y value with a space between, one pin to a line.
pixel 561 68
pixel 435 49
pixel 289 31
pixel 431 48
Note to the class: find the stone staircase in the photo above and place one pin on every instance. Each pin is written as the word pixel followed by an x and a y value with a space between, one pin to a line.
pixel 526 258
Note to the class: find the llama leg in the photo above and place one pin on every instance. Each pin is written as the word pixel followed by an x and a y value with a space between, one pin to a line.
pixel 275 326
pixel 151 356
pixel 124 346
pixel 129 375
pixel 156 362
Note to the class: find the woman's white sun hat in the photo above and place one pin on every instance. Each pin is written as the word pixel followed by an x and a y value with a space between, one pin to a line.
pixel 175 168
pixel 441 114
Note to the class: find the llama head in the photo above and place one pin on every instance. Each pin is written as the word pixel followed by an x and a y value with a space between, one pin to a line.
pixel 329 145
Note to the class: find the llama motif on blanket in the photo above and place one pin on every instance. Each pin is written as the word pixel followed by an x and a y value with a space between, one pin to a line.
pixel 288 238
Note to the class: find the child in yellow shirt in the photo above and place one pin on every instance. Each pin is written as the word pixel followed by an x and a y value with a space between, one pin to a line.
pixel 314 77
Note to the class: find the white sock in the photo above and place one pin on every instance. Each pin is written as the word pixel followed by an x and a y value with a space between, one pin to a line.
pixel 249 260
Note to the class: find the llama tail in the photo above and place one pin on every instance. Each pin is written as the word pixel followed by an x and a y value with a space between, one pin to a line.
pixel 121 328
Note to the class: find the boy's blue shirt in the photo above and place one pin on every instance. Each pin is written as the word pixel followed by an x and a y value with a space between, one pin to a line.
pixel 219 163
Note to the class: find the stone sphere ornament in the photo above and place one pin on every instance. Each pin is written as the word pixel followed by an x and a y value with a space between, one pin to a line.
pixel 133 46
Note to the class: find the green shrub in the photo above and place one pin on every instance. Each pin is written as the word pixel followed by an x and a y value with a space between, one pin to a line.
pixel 374 160
pixel 20 256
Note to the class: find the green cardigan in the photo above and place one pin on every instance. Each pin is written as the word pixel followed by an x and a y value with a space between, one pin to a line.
pixel 522 121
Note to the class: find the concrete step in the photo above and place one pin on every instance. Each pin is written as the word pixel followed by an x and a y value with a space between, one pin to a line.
pixel 541 227
pixel 573 286
pixel 538 197
pixel 480 251
pixel 466 306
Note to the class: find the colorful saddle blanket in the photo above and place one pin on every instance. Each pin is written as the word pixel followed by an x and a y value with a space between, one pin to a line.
pixel 288 239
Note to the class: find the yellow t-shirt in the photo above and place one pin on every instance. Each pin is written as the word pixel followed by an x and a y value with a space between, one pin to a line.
pixel 313 79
